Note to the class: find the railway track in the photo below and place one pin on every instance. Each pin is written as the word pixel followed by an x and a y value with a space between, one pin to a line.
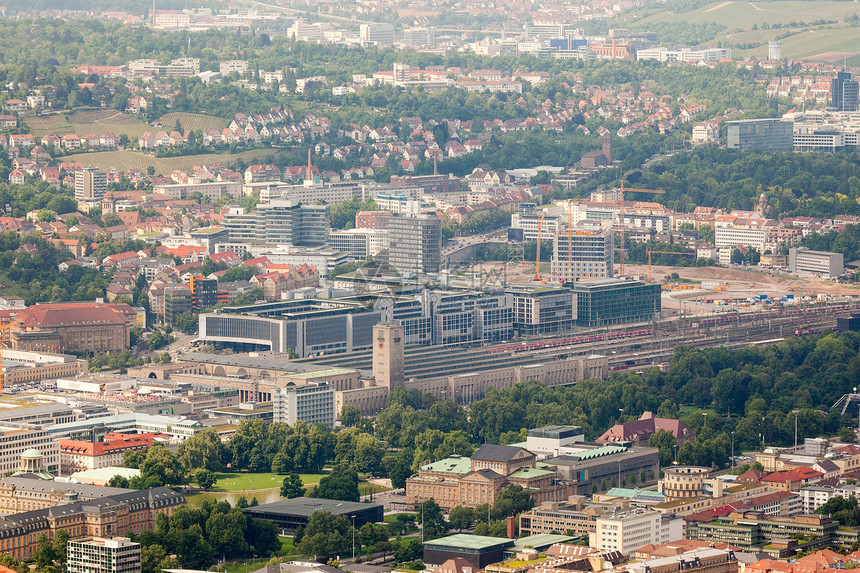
pixel 629 346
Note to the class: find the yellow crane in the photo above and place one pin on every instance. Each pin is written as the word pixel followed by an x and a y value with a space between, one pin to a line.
pixel 650 252
pixel 3 330
pixel 537 257
pixel 634 190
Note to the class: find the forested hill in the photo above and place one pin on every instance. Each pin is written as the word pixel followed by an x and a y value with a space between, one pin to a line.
pixel 796 184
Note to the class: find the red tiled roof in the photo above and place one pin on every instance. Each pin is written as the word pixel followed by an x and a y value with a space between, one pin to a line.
pixel 792 475
pixel 67 314
pixel 128 442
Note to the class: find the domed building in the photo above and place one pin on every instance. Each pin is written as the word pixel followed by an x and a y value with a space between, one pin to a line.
pixel 33 463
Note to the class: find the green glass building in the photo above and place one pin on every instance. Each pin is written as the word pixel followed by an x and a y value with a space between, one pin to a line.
pixel 601 302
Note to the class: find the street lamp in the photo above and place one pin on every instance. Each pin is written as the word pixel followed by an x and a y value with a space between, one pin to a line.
pixel 621 416
pixel 353 538
pixel 676 453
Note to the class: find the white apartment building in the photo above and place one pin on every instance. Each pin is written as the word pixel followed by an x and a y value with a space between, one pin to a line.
pixel 99 555
pixel 379 34
pixel 530 222
pixel 808 263
pixel 311 403
pixel 229 66
pixel 626 531
pixel 734 236
pixel 684 54
pixel 15 441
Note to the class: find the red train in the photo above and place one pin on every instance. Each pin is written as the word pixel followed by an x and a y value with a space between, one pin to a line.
pixel 580 340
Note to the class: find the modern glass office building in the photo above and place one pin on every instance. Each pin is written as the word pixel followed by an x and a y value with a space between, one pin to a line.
pixel 615 301
pixel 766 134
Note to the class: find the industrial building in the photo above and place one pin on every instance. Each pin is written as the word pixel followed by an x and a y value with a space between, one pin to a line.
pixel 808 263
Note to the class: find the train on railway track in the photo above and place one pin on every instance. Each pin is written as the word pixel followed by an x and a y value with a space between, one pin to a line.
pixel 525 346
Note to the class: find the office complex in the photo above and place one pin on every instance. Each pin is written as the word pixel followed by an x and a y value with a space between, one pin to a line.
pixel 379 34
pixel 844 92
pixel 99 555
pixel 359 244
pixel 684 55
pixel 311 403
pixel 765 134
pixel 90 184
pixel 601 302
pixel 177 299
pixel 582 253
pixel 204 292
pixel 415 244
pixel 311 326
pixel 752 531
pixel 543 310
pixel 741 236
pixel 808 263
pixel 33 441
pixel 629 530
pixel 279 222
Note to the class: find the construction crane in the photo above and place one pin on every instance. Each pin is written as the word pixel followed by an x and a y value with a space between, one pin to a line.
pixel 635 190
pixel 650 252
pixel 537 257
pixel 3 330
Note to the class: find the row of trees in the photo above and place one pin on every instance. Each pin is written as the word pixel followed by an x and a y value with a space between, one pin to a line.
pixel 198 536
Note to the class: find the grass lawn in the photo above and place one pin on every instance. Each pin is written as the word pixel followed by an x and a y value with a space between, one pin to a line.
pixel 392 518
pixel 127 159
pixel 244 481
pixel 365 488
pixel 244 566
pixel 195 121
pixel 288 547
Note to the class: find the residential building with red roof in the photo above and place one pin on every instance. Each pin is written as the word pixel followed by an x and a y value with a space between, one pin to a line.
pixel 641 430
pixel 792 479
pixel 77 455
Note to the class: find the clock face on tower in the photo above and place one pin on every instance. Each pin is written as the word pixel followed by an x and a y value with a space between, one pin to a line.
pixel 381 344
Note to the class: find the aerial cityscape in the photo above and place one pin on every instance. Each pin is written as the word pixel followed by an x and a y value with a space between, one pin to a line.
pixel 451 286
